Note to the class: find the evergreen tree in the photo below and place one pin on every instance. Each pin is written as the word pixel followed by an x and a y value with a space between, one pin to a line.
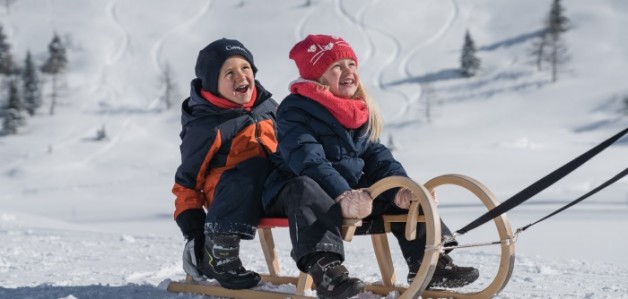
pixel 469 63
pixel 15 102
pixel 55 65
pixel 30 86
pixel 14 118
pixel 10 122
pixel 7 65
pixel 550 47
pixel 557 24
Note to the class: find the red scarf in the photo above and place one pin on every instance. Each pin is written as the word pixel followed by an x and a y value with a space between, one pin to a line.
pixel 350 113
pixel 226 104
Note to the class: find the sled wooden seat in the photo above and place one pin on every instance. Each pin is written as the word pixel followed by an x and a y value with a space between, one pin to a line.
pixel 417 288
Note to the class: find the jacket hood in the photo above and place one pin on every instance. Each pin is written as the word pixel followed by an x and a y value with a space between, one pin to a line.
pixel 196 106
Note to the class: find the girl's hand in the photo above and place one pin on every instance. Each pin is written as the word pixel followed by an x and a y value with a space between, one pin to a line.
pixel 404 198
pixel 355 203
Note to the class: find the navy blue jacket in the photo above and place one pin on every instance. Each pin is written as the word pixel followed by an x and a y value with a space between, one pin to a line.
pixel 311 142
pixel 215 141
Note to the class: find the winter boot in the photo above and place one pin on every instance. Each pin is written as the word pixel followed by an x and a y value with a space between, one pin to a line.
pixel 221 261
pixel 446 274
pixel 332 279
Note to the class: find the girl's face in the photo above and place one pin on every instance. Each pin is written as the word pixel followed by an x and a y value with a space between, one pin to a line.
pixel 342 78
pixel 236 80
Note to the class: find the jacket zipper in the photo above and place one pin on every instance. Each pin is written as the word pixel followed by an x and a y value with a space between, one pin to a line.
pixel 257 135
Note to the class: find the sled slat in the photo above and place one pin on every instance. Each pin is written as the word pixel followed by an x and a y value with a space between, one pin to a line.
pixel 270 252
pixel 211 290
pixel 384 259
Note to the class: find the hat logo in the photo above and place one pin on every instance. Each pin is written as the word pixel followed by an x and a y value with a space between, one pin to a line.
pixel 322 49
pixel 236 47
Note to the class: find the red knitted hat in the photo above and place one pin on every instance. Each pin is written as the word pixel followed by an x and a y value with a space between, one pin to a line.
pixel 316 53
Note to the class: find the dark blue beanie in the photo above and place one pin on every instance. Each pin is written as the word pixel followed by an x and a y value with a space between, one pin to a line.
pixel 211 58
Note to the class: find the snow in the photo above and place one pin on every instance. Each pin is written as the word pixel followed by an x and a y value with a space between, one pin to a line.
pixel 81 218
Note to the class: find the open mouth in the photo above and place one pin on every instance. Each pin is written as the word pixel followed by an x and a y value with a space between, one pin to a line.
pixel 347 82
pixel 242 88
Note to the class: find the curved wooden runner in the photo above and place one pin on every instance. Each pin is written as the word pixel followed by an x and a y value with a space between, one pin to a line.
pixel 432 222
pixel 502 224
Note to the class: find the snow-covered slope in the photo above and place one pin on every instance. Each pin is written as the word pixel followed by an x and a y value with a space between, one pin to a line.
pixel 93 219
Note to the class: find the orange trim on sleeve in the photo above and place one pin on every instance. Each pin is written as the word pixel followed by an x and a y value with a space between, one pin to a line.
pixel 186 199
pixel 194 198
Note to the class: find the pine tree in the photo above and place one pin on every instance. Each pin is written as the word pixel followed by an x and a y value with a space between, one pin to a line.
pixel 550 47
pixel 55 65
pixel 30 86
pixel 10 123
pixel 469 63
pixel 7 65
pixel 14 117
pixel 557 24
pixel 15 102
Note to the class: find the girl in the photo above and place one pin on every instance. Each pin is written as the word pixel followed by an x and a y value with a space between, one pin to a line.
pixel 328 151
pixel 228 133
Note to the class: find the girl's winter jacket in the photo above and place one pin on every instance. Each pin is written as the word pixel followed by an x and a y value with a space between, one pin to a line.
pixel 313 143
pixel 215 141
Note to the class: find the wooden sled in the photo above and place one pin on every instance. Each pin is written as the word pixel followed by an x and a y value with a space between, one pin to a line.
pixel 382 250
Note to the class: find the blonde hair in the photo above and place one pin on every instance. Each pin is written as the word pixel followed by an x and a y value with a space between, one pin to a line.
pixel 375 121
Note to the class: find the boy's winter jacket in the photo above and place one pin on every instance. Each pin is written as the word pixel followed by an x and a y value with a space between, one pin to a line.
pixel 313 143
pixel 214 141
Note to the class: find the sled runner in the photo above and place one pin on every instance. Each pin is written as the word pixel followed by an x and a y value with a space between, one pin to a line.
pixel 433 247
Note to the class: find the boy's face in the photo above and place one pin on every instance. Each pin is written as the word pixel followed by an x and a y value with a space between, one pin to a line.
pixel 342 78
pixel 236 80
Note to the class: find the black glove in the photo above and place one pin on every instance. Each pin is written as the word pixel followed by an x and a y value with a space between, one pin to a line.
pixel 192 223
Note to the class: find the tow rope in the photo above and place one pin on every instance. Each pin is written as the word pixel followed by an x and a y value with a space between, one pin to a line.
pixel 547 181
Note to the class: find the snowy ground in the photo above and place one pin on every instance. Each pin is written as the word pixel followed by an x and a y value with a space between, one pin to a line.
pixel 81 218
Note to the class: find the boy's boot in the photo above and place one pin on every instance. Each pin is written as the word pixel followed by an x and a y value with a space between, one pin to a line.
pixel 221 261
pixel 332 278
pixel 447 274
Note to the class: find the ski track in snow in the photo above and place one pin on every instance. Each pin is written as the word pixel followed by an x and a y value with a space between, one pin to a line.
pixel 123 45
pixel 358 20
pixel 157 48
pixel 404 66
pixel 378 79
pixel 299 28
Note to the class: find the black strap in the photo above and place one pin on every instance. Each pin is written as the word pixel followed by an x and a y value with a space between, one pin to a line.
pixel 541 184
pixel 581 198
